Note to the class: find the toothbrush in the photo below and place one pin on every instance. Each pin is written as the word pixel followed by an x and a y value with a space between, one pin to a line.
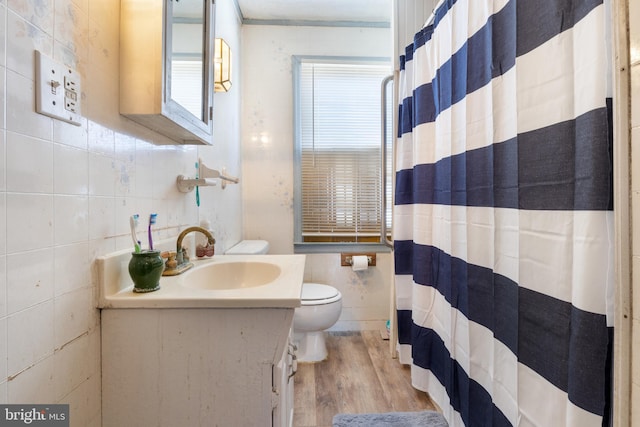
pixel 152 220
pixel 133 222
pixel 197 188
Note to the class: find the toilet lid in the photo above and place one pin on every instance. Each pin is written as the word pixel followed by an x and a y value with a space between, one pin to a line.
pixel 316 291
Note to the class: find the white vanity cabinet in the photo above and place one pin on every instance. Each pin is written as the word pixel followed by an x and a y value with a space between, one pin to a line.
pixel 190 354
pixel 196 367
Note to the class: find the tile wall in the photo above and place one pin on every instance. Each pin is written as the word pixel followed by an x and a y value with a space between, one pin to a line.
pixel 267 152
pixel 66 193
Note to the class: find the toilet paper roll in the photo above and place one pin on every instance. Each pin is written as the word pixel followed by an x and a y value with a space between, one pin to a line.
pixel 359 263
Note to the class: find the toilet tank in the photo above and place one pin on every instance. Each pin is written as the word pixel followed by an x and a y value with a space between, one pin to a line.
pixel 249 247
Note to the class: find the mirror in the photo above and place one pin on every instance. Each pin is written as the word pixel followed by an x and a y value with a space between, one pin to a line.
pixel 187 74
pixel 166 67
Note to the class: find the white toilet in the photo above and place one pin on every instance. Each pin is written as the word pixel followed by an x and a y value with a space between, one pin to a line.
pixel 320 310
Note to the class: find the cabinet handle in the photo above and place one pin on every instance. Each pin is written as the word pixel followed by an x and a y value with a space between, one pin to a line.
pixel 294 367
pixel 294 359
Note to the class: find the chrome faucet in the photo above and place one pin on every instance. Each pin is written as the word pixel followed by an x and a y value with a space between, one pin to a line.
pixel 178 261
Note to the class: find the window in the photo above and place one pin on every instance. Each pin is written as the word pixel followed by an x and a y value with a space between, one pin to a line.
pixel 338 157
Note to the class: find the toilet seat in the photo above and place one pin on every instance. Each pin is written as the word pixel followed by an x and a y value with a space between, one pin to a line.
pixel 317 294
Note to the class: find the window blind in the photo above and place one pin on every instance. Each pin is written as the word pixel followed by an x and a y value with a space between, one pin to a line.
pixel 339 110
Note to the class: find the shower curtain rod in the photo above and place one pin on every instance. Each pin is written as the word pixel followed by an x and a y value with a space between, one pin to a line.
pixel 433 13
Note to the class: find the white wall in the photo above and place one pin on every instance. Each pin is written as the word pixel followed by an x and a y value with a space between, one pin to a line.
pixel 409 16
pixel 267 152
pixel 66 193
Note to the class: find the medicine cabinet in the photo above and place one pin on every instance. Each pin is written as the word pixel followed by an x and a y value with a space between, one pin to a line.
pixel 166 67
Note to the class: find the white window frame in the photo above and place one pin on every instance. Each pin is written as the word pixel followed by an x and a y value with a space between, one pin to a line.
pixel 300 246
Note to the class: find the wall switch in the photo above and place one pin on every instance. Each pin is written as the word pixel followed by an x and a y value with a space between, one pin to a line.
pixel 57 90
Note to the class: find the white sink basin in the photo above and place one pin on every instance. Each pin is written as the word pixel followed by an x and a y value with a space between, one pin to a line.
pixel 224 281
pixel 231 275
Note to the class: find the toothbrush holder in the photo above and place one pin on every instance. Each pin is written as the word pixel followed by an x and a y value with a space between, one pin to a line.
pixel 145 269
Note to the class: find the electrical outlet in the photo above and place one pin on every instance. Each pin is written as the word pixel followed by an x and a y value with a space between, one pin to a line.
pixel 57 90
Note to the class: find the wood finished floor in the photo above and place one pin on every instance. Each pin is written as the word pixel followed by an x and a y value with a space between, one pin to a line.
pixel 359 376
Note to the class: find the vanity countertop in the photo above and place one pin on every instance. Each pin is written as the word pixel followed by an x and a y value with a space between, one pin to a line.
pixel 116 287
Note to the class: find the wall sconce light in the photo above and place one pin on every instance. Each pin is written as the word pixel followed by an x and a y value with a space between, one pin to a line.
pixel 222 63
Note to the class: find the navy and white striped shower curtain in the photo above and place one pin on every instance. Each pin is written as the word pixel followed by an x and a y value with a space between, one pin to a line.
pixel 503 222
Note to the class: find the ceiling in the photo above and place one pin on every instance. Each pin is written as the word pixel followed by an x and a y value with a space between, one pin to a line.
pixel 355 11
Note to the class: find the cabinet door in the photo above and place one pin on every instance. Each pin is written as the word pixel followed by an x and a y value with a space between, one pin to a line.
pixel 189 62
pixel 166 67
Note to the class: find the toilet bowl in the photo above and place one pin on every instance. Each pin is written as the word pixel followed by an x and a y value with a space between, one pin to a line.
pixel 320 309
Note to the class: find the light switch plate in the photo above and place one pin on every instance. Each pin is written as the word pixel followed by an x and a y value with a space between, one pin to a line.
pixel 58 90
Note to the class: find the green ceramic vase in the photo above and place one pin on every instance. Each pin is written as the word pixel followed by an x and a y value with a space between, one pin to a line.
pixel 145 269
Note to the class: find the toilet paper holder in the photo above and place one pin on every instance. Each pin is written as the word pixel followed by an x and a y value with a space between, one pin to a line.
pixel 346 259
